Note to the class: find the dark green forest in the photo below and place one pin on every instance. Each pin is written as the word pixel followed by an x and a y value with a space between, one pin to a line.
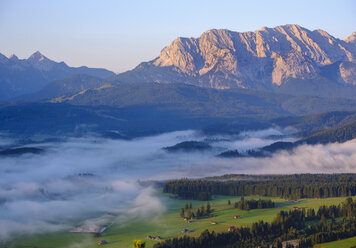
pixel 285 186
pixel 253 204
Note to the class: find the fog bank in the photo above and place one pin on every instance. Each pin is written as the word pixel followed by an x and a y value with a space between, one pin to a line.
pixel 95 181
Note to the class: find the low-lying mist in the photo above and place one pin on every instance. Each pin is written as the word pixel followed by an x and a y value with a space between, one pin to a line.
pixel 98 181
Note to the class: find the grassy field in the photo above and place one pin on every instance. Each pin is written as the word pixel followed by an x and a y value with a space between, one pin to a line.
pixel 345 243
pixel 169 224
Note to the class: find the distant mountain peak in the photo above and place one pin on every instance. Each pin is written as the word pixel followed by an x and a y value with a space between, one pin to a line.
pixel 13 57
pixel 41 62
pixel 37 56
pixel 20 77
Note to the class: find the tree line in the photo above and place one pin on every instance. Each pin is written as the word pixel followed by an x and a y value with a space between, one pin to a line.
pixel 253 204
pixel 188 211
pixel 291 186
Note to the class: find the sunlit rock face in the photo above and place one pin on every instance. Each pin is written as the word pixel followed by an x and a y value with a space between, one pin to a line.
pixel 351 38
pixel 348 72
pixel 262 59
pixel 293 65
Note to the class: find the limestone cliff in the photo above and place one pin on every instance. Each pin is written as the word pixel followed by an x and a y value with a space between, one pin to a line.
pixel 262 59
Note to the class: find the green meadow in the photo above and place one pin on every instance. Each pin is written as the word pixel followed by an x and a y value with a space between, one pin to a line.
pixel 169 224
pixel 345 243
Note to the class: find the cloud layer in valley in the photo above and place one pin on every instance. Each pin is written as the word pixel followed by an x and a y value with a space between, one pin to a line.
pixel 97 181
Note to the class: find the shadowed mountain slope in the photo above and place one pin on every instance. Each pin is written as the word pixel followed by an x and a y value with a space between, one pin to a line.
pixel 66 86
pixel 199 101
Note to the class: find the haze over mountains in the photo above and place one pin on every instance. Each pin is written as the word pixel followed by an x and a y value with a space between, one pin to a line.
pixel 65 86
pixel 25 76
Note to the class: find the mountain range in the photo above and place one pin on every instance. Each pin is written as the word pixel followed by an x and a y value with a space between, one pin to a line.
pixel 221 81
pixel 289 59
pixel 25 76
pixel 286 59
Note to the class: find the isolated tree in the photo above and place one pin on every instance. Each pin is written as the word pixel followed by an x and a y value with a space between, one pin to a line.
pixel 199 213
pixel 208 208
pixel 246 206
pixel 181 212
pixel 202 210
pixel 189 214
pixel 138 244
pixel 228 202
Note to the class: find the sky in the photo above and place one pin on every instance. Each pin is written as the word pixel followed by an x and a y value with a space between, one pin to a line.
pixel 118 34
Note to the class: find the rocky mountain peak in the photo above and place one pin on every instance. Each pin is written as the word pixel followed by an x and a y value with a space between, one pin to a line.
pixel 225 51
pixel 351 38
pixel 265 59
pixel 41 62
pixel 182 53
pixel 37 56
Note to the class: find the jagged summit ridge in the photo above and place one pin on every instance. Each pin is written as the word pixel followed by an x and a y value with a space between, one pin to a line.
pixel 37 56
pixel 263 59
pixel 26 76
pixel 266 42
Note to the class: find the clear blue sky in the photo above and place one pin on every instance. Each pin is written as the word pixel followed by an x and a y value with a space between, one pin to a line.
pixel 118 34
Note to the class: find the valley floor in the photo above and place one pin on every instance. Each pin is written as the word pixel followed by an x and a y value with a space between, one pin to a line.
pixel 170 224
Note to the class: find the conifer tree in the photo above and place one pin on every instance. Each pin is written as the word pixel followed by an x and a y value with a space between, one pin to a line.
pixel 181 213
